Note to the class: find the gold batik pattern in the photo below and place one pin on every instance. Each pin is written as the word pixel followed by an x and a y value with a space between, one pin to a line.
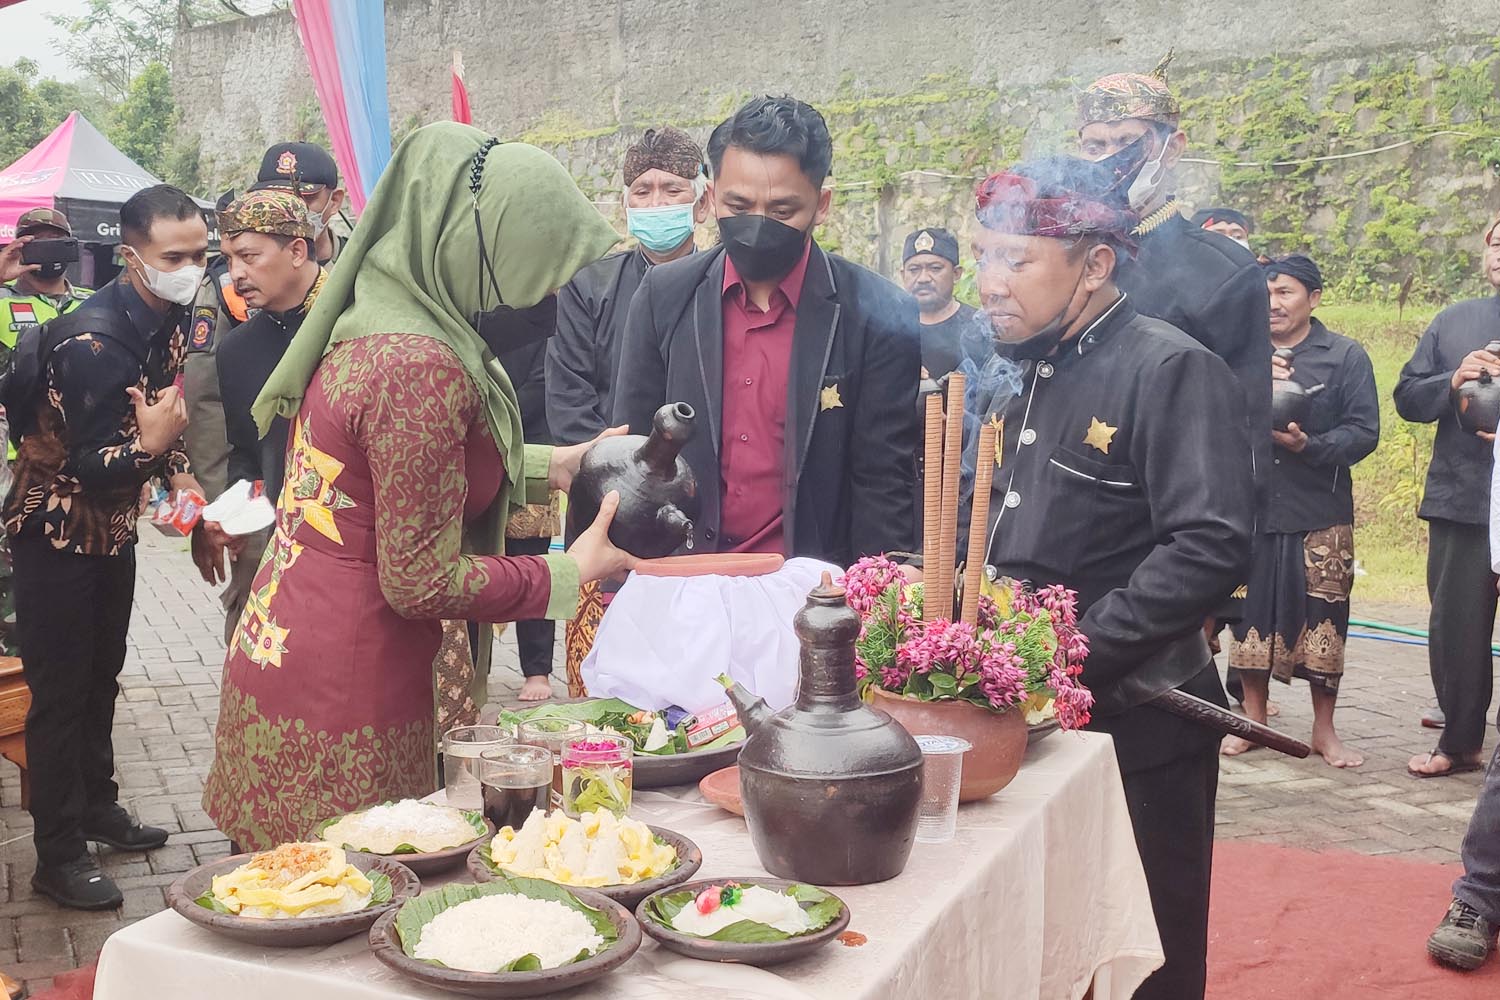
pixel 578 636
pixel 1329 558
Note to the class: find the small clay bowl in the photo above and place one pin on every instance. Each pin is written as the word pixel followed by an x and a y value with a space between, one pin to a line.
pixel 423 864
pixel 292 932
pixel 689 860
pixel 386 944
pixel 766 953
pixel 722 788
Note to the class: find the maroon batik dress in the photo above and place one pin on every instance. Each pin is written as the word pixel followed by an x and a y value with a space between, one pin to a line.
pixel 327 701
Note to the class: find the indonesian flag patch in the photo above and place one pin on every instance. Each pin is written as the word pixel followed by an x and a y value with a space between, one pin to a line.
pixel 22 315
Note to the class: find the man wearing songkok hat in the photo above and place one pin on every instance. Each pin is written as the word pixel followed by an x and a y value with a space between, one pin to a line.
pixel 665 198
pixel 929 270
pixel 267 238
pixel 1207 287
pixel 1226 222
pixel 1296 610
pixel 1119 475
pixel 1456 506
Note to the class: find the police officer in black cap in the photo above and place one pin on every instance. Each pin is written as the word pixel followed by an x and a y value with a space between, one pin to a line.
pixel 930 270
pixel 308 170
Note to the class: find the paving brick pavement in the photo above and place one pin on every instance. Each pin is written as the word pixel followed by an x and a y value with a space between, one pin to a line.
pixel 169 700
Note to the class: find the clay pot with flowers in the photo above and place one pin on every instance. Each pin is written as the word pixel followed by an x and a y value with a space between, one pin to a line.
pixel 984 681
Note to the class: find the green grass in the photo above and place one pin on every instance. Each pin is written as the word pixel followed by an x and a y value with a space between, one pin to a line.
pixel 1390 542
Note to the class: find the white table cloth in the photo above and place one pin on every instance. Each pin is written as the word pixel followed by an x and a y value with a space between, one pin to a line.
pixel 1040 895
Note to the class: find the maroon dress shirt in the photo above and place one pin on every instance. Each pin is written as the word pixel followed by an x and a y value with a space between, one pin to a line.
pixel 752 453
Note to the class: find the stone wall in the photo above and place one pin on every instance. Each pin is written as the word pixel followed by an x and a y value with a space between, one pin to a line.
pixel 924 99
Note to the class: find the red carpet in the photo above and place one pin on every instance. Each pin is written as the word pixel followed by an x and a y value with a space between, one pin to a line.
pixel 1288 924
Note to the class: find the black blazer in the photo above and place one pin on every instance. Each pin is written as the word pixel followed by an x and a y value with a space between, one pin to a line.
pixel 850 463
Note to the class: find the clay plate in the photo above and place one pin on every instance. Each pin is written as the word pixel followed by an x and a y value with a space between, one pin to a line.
pixel 1035 734
pixel 689 860
pixel 769 953
pixel 425 864
pixel 386 944
pixel 294 932
pixel 713 564
pixel 722 788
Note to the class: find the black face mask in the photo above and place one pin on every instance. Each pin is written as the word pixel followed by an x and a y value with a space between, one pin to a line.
pixel 49 272
pixel 1045 340
pixel 504 329
pixel 762 248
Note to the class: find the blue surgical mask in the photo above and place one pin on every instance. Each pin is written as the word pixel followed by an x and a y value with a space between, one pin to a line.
pixel 660 229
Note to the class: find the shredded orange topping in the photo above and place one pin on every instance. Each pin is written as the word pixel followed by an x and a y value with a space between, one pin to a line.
pixel 290 862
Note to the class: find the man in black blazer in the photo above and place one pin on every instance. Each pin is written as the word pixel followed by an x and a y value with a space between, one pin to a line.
pixel 802 366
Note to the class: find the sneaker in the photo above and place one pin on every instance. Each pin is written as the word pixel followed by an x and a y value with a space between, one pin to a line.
pixel 1464 938
pixel 118 829
pixel 77 884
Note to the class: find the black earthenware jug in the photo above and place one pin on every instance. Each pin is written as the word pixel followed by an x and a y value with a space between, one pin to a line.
pixel 1477 402
pixel 1291 401
pixel 831 786
pixel 658 493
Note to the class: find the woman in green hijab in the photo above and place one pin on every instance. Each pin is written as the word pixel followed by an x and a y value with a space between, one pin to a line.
pixel 405 457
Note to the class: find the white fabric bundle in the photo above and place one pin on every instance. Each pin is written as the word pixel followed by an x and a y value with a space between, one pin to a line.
pixel 664 639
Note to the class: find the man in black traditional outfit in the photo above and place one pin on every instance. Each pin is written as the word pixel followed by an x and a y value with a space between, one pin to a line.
pixel 1121 476
pixel 1455 505
pixel 1296 612
pixel 930 270
pixel 1226 222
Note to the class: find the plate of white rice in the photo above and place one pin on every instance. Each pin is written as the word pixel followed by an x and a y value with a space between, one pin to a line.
pixel 513 937
pixel 427 837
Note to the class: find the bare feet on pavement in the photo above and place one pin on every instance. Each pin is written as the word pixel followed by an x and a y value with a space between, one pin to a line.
pixel 536 689
pixel 1233 746
pixel 1334 752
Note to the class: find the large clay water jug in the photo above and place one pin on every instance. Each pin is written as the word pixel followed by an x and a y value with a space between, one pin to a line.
pixel 1291 401
pixel 1477 402
pixel 830 785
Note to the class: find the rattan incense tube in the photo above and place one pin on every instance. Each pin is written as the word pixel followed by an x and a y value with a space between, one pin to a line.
pixel 979 517
pixel 953 436
pixel 932 493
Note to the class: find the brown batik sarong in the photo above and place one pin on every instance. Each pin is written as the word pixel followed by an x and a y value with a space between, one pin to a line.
pixel 1296 610
pixel 578 636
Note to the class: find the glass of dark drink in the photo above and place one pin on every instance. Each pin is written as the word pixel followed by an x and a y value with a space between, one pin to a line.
pixel 515 780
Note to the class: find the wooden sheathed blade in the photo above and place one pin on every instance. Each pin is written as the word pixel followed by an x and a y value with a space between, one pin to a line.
pixel 1208 714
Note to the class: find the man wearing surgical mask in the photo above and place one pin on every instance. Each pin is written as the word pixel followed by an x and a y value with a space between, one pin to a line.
pixel 801 366
pixel 1206 286
pixel 110 419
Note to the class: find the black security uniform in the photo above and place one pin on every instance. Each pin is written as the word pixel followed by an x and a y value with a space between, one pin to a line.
pixel 1123 479
pixel 1456 506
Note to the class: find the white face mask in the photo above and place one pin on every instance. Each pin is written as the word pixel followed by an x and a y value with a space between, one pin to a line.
pixel 1148 183
pixel 179 286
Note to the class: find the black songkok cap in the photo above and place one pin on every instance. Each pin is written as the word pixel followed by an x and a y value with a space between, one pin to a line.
pixel 938 242
pixel 1299 266
pixel 1208 216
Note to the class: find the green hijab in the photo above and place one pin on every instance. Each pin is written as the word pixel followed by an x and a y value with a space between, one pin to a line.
pixel 413 266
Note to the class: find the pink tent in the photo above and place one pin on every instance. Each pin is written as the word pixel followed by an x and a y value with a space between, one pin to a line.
pixel 80 173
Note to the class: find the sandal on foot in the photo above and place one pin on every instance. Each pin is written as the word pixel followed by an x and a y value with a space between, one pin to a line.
pixel 1455 766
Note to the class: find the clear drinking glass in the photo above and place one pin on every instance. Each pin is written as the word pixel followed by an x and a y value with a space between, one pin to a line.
pixel 598 773
pixel 942 769
pixel 462 747
pixel 554 734
pixel 516 779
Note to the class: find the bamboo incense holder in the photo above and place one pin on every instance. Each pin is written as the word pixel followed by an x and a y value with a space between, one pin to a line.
pixel 953 436
pixel 932 492
pixel 979 519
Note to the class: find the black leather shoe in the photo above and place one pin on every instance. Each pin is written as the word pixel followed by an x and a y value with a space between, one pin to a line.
pixel 120 831
pixel 77 884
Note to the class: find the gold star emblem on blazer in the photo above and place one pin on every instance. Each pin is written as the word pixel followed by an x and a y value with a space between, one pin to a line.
pixel 830 399
pixel 1099 435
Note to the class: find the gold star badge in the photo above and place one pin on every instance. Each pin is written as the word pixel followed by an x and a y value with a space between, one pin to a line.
pixel 1099 435
pixel 830 398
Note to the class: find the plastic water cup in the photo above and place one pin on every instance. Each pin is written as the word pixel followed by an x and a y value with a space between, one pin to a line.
pixel 462 748
pixel 942 767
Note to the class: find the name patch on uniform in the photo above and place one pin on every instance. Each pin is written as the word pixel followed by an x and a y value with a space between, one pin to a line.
pixel 203 330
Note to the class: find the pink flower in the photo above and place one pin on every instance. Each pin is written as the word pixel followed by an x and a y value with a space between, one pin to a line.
pixel 867 579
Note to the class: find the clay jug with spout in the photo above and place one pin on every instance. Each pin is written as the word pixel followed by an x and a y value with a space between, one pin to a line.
pixel 1477 402
pixel 1291 401
pixel 830 785
pixel 658 492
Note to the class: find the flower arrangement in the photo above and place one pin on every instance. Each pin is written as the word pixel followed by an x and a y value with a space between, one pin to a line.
pixel 1025 651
